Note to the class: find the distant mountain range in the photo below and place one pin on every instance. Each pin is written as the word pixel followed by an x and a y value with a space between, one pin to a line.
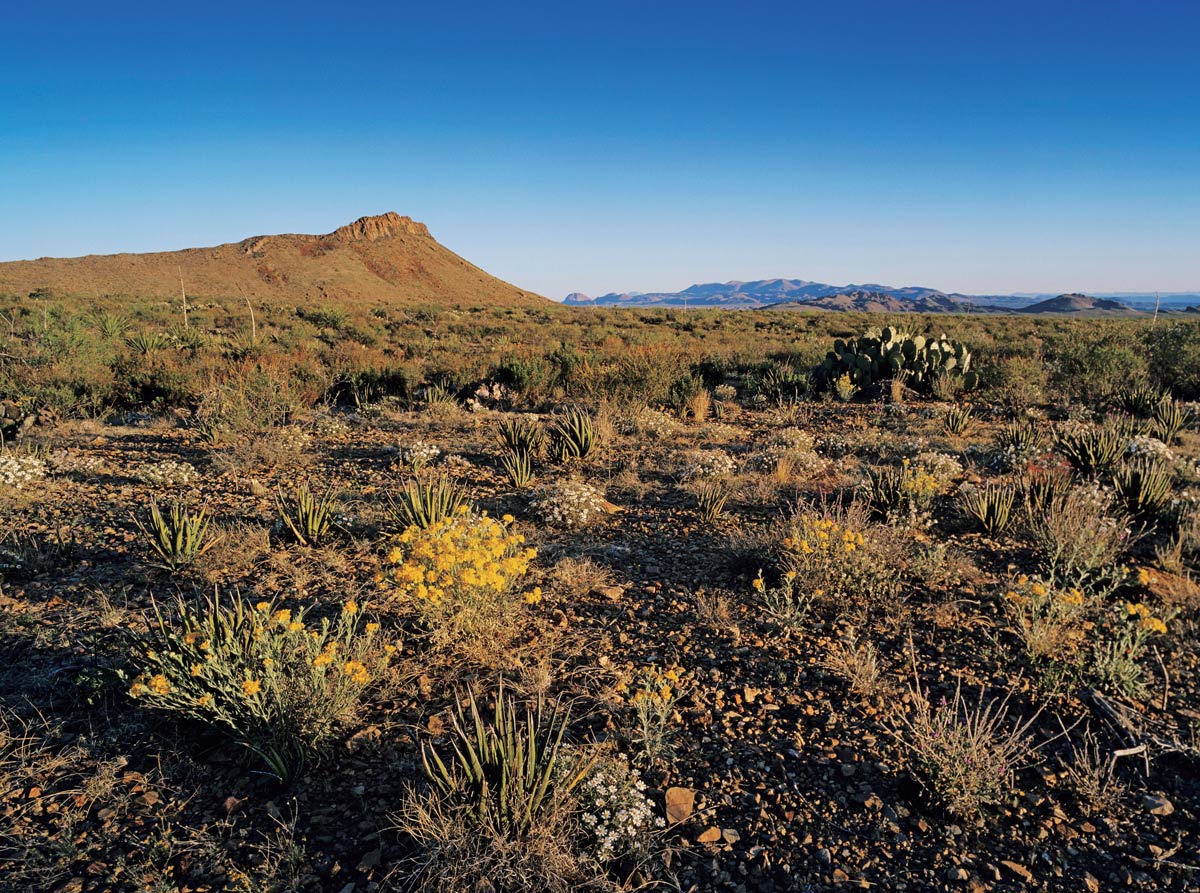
pixel 800 294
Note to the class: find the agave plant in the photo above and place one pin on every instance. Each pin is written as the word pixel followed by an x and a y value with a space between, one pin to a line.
pixel 423 503
pixel 308 516
pixel 959 420
pixel 510 771
pixel 1144 486
pixel 1169 419
pixel 990 505
pixel 146 343
pixel 521 436
pixel 177 538
pixel 1094 449
pixel 573 435
pixel 710 499
pixel 518 466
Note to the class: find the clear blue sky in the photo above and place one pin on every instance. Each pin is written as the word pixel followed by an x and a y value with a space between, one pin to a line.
pixel 611 146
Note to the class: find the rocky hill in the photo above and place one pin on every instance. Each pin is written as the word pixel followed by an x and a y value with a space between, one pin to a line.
pixel 1077 303
pixel 384 257
pixel 881 302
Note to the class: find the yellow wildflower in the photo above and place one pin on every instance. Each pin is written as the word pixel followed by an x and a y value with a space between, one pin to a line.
pixel 251 687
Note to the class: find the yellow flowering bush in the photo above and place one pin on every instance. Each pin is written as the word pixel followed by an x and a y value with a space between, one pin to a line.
pixel 1049 619
pixel 653 696
pixel 275 683
pixel 823 558
pixel 461 576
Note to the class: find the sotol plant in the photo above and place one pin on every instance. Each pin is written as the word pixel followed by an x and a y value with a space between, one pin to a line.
pixel 573 435
pixel 423 503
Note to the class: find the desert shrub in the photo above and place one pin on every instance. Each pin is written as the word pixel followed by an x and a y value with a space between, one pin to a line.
pixel 310 517
pixel 990 505
pixel 276 684
pixel 706 465
pixel 1049 619
pixel 1017 382
pixel 1078 540
pixel 461 576
pixel 423 503
pixel 177 538
pixel 616 816
pixel 1175 358
pixel 570 504
pixel 834 561
pixel 965 755
pixel 1093 369
pixel 1169 420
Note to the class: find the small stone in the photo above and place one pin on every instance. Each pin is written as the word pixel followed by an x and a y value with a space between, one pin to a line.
pixel 680 803
pixel 730 836
pixel 1019 870
pixel 1091 883
pixel 709 835
pixel 839 876
pixel 612 593
pixel 957 873
pixel 148 799
pixel 1157 805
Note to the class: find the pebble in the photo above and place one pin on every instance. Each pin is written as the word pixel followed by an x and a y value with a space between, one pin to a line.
pixel 1157 805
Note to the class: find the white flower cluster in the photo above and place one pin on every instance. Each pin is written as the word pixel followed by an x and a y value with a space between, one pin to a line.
pixel 1146 447
pixel 944 468
pixel 329 426
pixel 616 810
pixel 726 393
pixel 292 439
pixel 794 447
pixel 419 454
pixel 569 504
pixel 648 420
pixel 167 473
pixel 18 470
pixel 704 464
pixel 64 462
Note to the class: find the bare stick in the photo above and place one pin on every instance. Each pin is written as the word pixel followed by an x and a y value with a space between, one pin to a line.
pixel 1166 678
pixel 183 296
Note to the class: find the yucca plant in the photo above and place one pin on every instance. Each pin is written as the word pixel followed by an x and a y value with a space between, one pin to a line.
pixel 1140 400
pixel 308 516
pixel 177 538
pixel 519 468
pixel 1042 488
pixel 1022 440
pixel 438 394
pixel 711 497
pixel 959 420
pixel 110 325
pixel 573 435
pixel 1095 449
pixel 146 343
pixel 511 771
pixel 1143 486
pixel 990 505
pixel 521 436
pixel 423 503
pixel 1169 420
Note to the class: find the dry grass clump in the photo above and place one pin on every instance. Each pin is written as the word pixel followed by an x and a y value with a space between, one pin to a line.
pixel 860 664
pixel 966 755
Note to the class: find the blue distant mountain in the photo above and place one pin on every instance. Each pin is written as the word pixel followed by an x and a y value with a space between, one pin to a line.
pixel 801 293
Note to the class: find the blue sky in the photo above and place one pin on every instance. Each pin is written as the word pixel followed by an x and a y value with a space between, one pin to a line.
pixel 988 148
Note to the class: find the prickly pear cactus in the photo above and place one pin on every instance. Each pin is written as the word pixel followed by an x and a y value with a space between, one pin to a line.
pixel 879 355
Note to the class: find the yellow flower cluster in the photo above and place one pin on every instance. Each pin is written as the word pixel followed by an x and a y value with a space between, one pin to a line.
pixel 815 535
pixel 657 687
pixel 458 556
pixel 917 482
pixel 1139 613
pixel 1037 595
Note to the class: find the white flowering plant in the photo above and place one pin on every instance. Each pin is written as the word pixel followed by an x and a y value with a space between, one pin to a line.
pixel 168 473
pixel 17 470
pixel 569 504
pixel 616 816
